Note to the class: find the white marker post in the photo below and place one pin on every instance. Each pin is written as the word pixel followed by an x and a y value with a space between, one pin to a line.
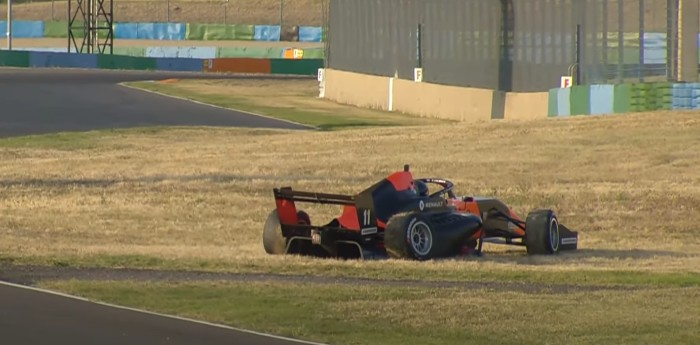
pixel 9 24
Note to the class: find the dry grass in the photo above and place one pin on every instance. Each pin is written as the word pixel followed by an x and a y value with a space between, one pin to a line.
pixel 294 12
pixel 629 183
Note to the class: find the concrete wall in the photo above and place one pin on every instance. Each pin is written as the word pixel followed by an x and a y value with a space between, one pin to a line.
pixel 440 101
pixel 526 105
pixel 431 100
pixel 357 89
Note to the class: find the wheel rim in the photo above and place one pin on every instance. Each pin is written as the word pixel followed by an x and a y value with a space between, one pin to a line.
pixel 421 238
pixel 554 235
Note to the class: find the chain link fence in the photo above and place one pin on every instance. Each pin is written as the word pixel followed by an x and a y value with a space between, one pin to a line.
pixel 510 45
pixel 261 12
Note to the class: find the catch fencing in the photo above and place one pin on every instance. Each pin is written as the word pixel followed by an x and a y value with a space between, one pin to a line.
pixel 509 45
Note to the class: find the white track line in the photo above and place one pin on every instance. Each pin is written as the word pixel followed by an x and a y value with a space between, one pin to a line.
pixel 159 314
pixel 213 105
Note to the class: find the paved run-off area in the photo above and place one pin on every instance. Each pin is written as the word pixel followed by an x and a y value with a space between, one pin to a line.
pixel 47 101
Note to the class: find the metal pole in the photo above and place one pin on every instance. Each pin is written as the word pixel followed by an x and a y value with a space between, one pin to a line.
pixel 168 11
pixel 281 13
pixel 605 40
pixel 641 41
pixel 9 24
pixel 419 47
pixel 577 77
pixel 620 41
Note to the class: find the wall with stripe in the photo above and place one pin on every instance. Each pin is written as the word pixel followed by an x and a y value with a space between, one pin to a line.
pixel 304 67
pixel 174 31
pixel 205 52
pixel 622 98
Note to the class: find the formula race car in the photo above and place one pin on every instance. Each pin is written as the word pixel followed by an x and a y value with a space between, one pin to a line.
pixel 398 217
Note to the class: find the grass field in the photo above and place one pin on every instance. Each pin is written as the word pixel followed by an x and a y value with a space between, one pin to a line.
pixel 183 199
pixel 628 183
pixel 404 315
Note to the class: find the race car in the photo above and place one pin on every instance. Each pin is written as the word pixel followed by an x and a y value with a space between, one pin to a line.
pixel 399 217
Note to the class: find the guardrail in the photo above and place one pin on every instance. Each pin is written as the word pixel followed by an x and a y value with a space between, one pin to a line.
pixel 302 67
pixel 205 52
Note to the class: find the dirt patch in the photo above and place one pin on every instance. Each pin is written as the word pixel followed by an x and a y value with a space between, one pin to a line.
pixel 288 12
pixel 31 275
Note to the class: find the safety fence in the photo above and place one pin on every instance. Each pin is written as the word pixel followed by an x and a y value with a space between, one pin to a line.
pixel 174 31
pixel 623 98
pixel 301 67
pixel 204 52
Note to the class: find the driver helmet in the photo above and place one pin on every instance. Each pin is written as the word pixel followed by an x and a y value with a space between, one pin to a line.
pixel 421 188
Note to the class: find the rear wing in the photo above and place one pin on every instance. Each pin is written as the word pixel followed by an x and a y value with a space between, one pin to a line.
pixel 358 210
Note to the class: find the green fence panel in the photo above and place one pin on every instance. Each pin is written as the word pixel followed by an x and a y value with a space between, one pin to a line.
pixel 552 106
pixel 58 29
pixel 144 63
pixel 250 52
pixel 14 58
pixel 214 32
pixel 130 51
pixel 125 62
pixel 622 98
pixel 580 100
pixel 314 53
pixel 296 66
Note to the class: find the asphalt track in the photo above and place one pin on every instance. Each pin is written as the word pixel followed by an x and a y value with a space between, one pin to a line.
pixel 40 101
pixel 44 101
pixel 35 317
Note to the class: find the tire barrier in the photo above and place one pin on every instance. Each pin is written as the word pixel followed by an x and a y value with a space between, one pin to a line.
pixel 48 59
pixel 173 31
pixel 622 98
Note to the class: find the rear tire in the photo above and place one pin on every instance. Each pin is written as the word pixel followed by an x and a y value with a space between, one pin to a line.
pixel 409 236
pixel 542 233
pixel 273 241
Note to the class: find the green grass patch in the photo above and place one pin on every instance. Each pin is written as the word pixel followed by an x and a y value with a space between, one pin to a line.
pixel 390 315
pixel 293 103
pixel 72 141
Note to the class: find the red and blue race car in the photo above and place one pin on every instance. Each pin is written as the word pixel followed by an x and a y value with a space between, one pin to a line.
pixel 400 217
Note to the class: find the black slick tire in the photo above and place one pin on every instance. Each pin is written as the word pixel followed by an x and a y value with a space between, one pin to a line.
pixel 409 236
pixel 273 241
pixel 542 235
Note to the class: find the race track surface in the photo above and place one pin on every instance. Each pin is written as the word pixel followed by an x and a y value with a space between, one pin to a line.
pixel 39 101
pixel 38 318
pixel 44 101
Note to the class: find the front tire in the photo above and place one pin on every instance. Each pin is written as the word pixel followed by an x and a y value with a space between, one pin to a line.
pixel 542 233
pixel 409 236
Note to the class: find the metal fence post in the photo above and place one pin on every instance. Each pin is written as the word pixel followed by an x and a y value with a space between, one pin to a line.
pixel 640 73
pixel 225 11
pixel 281 13
pixel 9 24
pixel 620 41
pixel 168 11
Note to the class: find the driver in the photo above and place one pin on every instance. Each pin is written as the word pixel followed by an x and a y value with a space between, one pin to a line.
pixel 421 188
